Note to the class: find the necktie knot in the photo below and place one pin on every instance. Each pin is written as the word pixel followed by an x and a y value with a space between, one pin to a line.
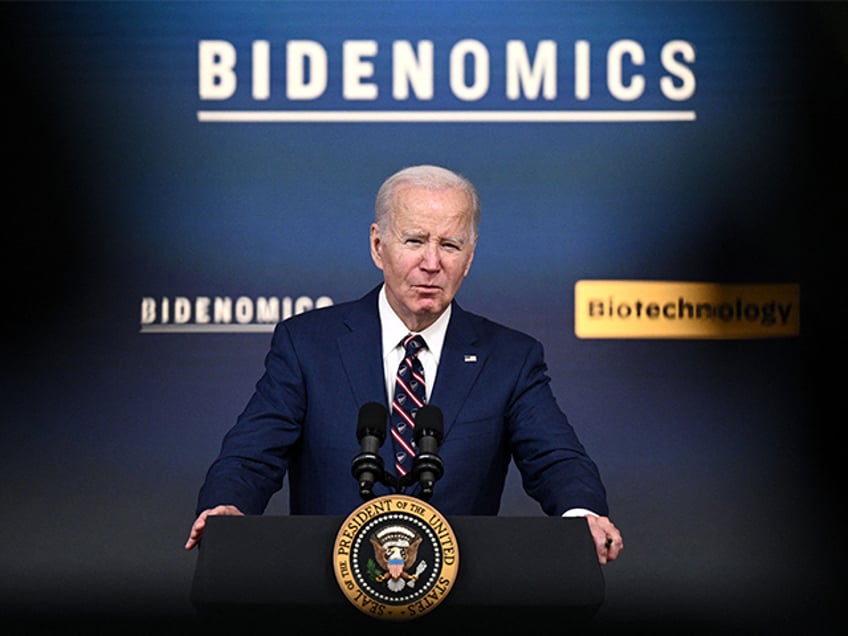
pixel 413 345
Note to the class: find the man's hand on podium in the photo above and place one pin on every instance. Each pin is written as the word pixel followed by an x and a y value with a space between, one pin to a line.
pixel 200 522
pixel 608 541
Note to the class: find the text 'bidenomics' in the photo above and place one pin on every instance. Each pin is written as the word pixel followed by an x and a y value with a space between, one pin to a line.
pixel 467 71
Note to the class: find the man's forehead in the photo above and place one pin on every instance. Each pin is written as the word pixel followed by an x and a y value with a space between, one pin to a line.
pixel 409 193
pixel 438 207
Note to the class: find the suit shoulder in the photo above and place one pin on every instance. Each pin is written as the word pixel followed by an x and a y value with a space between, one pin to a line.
pixel 318 316
pixel 492 330
pixel 326 320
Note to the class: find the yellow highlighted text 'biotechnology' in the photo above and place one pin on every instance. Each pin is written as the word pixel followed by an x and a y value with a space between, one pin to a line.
pixel 673 309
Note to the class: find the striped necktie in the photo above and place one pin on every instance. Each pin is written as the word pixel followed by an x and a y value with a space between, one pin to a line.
pixel 408 397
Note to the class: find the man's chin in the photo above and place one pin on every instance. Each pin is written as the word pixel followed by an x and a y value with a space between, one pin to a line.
pixel 424 310
pixel 429 308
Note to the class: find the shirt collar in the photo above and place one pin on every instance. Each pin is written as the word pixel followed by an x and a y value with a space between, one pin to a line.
pixel 394 330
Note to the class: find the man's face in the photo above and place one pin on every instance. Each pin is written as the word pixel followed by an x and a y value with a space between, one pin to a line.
pixel 426 252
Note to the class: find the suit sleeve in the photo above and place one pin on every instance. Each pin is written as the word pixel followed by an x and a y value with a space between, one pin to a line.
pixel 554 466
pixel 254 453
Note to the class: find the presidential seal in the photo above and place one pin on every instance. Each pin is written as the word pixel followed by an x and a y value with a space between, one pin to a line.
pixel 395 558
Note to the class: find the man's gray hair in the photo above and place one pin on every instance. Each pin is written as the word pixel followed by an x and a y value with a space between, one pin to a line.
pixel 427 176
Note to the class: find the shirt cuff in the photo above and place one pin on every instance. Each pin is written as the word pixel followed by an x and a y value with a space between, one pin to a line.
pixel 579 512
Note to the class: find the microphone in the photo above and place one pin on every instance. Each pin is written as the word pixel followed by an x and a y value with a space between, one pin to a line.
pixel 367 467
pixel 427 465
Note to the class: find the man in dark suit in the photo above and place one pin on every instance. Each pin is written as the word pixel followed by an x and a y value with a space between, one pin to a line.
pixel 489 381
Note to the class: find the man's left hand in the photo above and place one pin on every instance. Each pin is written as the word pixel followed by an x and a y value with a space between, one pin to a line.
pixel 608 541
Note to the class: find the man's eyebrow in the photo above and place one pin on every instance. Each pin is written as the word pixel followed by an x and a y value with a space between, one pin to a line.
pixel 426 236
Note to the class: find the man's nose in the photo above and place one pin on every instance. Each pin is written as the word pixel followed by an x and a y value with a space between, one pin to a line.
pixel 430 259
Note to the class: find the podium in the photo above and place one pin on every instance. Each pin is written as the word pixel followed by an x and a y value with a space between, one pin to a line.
pixel 513 573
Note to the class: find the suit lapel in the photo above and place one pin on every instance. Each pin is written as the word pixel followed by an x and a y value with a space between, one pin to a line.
pixel 361 351
pixel 461 362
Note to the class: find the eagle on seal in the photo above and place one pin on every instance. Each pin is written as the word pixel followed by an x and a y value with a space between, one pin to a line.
pixel 396 554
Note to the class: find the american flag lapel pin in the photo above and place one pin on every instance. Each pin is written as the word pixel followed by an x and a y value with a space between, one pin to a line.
pixel 470 357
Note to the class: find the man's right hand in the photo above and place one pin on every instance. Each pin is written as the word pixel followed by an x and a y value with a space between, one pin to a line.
pixel 200 522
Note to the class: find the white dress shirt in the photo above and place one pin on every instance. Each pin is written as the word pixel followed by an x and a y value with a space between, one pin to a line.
pixel 394 331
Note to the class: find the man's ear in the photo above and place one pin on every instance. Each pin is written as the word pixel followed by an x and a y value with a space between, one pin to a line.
pixel 470 260
pixel 376 246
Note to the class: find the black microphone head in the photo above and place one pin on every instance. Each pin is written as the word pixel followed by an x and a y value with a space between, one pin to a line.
pixel 372 421
pixel 429 421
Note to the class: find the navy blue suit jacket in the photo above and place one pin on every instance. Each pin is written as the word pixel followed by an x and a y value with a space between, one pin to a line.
pixel 492 387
